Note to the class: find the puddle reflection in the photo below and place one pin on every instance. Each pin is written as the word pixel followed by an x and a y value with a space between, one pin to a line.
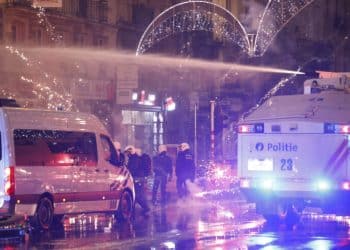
pixel 190 224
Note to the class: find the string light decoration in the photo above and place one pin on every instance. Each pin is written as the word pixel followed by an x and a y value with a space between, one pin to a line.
pixel 276 15
pixel 194 16
pixel 206 16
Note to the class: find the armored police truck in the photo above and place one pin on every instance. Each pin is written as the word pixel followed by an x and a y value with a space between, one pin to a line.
pixel 294 150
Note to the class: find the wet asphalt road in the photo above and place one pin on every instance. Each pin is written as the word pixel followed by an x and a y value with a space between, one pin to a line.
pixel 212 222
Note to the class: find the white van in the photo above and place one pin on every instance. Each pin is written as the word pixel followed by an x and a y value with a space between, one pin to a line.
pixel 54 163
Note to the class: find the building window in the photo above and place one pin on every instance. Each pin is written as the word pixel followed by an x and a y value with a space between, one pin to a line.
pixel 19 3
pixel 1 26
pixel 228 5
pixel 97 10
pixel 36 36
pixel 141 15
pixel 70 7
pixel 17 32
pixel 92 10
pixel 78 39
pixel 14 33
pixel 1 31
pixel 83 6
pixel 103 11
pixel 100 41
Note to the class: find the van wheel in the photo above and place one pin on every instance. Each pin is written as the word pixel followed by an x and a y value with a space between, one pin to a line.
pixel 44 214
pixel 125 207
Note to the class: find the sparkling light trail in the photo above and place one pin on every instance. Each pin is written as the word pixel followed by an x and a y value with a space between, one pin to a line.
pixel 53 95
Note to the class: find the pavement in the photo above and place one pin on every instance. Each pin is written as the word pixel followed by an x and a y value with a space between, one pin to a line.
pixel 17 226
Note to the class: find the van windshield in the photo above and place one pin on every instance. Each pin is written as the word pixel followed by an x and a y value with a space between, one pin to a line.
pixel 54 148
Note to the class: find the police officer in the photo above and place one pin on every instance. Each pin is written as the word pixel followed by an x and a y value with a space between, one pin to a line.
pixel 145 161
pixel 185 169
pixel 162 168
pixel 134 166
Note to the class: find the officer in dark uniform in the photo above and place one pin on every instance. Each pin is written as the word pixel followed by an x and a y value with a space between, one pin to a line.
pixel 162 168
pixel 185 169
pixel 138 174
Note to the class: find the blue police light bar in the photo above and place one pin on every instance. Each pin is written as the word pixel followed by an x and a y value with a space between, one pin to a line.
pixel 332 128
pixel 251 128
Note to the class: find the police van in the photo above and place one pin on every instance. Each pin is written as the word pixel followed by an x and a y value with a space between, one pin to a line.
pixel 293 150
pixel 54 163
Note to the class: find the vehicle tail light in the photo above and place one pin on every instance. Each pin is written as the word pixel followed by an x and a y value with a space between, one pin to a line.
pixel 10 180
pixel 345 185
pixel 331 128
pixel 251 128
pixel 345 129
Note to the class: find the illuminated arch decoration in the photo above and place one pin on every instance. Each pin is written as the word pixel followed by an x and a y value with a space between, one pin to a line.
pixel 194 16
pixel 206 16
pixel 276 15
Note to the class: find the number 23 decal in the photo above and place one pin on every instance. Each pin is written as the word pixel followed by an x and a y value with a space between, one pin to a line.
pixel 286 164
